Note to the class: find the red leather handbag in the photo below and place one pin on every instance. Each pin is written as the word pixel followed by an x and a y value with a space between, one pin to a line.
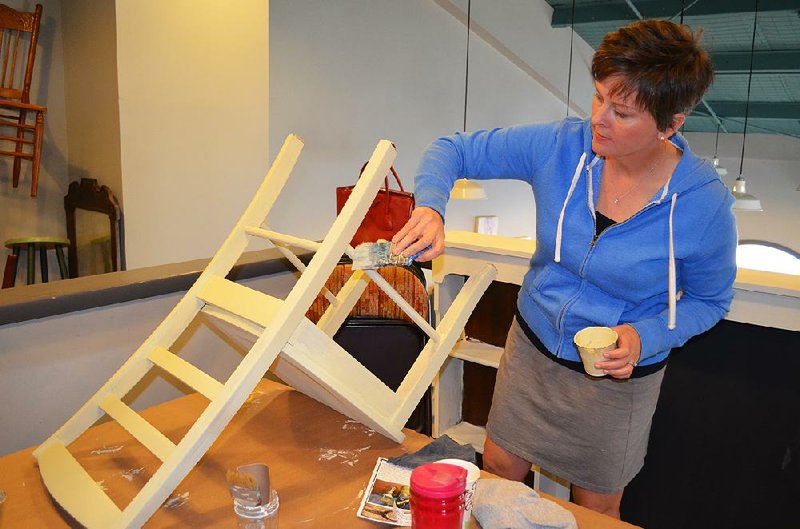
pixel 389 212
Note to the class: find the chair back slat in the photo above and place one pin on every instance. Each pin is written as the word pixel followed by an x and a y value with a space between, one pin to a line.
pixel 5 47
pixel 13 66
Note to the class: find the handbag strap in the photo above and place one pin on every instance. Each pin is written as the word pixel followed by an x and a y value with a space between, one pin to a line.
pixel 386 179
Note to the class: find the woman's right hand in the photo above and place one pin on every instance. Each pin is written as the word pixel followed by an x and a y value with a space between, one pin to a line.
pixel 424 228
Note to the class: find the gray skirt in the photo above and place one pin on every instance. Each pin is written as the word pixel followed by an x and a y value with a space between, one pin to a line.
pixel 590 431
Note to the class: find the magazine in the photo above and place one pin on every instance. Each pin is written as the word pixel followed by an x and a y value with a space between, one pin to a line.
pixel 386 498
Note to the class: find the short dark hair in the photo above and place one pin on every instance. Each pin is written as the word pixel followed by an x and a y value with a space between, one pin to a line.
pixel 661 62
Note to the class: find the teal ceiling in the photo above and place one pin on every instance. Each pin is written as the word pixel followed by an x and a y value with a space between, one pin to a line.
pixel 774 104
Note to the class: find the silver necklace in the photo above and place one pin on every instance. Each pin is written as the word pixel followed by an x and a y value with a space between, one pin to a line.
pixel 628 192
pixel 650 173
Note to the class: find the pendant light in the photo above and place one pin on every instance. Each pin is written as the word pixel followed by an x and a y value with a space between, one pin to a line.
pixel 571 41
pixel 717 165
pixel 744 200
pixel 467 189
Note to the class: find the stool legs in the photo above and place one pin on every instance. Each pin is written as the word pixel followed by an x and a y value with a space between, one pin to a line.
pixel 62 263
pixel 31 264
pixel 16 252
pixel 32 245
pixel 43 263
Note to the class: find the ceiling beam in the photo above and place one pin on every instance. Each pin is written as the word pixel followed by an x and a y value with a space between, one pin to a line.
pixel 757 110
pixel 621 12
pixel 763 62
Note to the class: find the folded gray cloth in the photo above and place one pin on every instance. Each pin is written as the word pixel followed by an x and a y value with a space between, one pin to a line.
pixel 442 448
pixel 504 504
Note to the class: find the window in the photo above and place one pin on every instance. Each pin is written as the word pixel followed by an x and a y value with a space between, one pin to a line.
pixel 768 257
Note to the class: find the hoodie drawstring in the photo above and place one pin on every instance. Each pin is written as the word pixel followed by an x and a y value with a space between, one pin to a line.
pixel 672 293
pixel 575 178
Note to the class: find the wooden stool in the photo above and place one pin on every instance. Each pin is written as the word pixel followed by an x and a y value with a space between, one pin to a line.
pixel 31 244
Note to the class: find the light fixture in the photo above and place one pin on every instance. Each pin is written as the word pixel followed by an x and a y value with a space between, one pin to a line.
pixel 467 190
pixel 717 165
pixel 744 200
pixel 571 40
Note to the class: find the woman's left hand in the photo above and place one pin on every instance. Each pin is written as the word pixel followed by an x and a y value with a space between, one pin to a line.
pixel 620 362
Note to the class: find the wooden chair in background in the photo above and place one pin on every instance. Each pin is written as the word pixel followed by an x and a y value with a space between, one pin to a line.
pixel 89 195
pixel 19 32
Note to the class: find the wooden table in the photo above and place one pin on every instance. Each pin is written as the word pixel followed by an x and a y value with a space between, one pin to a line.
pixel 320 463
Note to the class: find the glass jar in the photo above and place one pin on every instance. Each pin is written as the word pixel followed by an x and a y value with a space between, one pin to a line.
pixel 437 496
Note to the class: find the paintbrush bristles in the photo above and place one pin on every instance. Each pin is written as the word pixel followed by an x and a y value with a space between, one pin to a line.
pixel 371 255
pixel 240 479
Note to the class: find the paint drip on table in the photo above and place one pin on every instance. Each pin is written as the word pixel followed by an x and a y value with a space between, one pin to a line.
pixel 345 457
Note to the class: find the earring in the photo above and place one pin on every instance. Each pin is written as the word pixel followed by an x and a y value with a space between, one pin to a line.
pixel 661 137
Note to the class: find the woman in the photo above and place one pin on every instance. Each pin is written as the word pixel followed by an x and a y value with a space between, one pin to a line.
pixel 633 231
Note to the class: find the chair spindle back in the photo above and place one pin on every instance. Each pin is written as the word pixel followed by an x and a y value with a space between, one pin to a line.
pixel 18 35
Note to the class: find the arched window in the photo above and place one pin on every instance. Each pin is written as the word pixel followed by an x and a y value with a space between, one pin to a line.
pixel 768 257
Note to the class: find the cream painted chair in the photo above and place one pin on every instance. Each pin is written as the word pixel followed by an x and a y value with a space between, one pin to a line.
pixel 301 353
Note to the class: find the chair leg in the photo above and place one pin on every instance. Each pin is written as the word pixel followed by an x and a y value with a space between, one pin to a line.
pixel 17 159
pixel 10 272
pixel 31 264
pixel 37 153
pixel 62 263
pixel 17 250
pixel 43 263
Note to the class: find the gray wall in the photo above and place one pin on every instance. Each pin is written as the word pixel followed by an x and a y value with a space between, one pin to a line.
pixel 49 367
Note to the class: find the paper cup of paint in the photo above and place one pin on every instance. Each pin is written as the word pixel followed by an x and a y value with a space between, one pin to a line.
pixel 592 342
pixel 473 474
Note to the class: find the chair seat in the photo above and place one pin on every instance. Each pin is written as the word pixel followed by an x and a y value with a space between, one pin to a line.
pixel 48 243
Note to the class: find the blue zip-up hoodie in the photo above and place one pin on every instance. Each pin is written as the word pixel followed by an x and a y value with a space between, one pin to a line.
pixel 668 270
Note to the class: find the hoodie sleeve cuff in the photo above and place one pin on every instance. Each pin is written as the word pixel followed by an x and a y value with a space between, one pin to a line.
pixel 439 210
pixel 653 334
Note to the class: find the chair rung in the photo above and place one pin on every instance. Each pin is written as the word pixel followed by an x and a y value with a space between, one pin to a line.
pixel 186 372
pixel 17 154
pixel 242 301
pixel 74 488
pixel 15 139
pixel 273 236
pixel 253 329
pixel 137 426
pixel 17 125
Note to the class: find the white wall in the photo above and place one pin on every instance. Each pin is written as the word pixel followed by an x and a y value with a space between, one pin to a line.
pixel 501 93
pixel 345 74
pixel 193 89
pixel 21 215
pixel 90 87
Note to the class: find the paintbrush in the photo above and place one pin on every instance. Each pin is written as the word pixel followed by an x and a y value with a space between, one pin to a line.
pixel 372 255
pixel 246 485
pixel 247 488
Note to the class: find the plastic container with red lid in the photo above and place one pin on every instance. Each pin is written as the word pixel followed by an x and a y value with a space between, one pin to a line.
pixel 437 496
